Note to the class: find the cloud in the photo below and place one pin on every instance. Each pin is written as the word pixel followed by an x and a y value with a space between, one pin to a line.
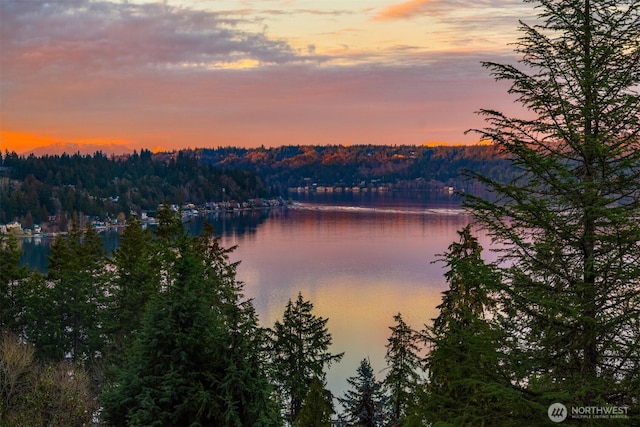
pixel 153 74
pixel 434 98
pixel 318 12
pixel 403 10
pixel 107 36
pixel 462 8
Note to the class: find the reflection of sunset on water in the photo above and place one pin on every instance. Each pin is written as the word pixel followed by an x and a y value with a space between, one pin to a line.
pixel 358 267
pixel 359 264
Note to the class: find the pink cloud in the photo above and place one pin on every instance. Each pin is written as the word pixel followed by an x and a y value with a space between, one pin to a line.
pixel 403 10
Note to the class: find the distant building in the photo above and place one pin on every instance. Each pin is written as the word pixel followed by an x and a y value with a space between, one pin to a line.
pixel 13 227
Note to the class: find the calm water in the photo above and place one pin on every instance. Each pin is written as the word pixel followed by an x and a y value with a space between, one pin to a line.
pixel 359 259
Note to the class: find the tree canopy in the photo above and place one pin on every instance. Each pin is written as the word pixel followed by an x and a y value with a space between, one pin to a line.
pixel 568 224
pixel 197 357
pixel 300 353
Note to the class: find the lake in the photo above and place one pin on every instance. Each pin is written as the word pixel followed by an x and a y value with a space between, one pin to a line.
pixel 360 259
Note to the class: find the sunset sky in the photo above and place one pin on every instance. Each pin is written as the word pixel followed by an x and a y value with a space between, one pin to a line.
pixel 209 73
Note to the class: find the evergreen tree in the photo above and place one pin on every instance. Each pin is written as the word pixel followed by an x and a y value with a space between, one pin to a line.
pixel 197 358
pixel 467 382
pixel 169 224
pixel 404 365
pixel 11 276
pixel 364 403
pixel 35 311
pixel 317 407
pixel 136 279
pixel 73 300
pixel 569 223
pixel 300 353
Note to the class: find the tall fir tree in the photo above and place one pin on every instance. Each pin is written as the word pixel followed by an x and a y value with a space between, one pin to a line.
pixel 135 281
pixel 569 223
pixel 300 353
pixel 317 407
pixel 73 301
pixel 364 403
pixel 197 358
pixel 11 277
pixel 404 368
pixel 467 381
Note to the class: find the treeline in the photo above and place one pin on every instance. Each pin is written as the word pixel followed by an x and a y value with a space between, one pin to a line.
pixel 34 188
pixel 408 166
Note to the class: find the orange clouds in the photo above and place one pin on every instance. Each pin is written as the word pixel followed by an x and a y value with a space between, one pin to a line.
pixel 403 10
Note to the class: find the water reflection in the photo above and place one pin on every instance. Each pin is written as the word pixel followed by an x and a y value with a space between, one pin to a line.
pixel 359 263
pixel 36 250
pixel 358 266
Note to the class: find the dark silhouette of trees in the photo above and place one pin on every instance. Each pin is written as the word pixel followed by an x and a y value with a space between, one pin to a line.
pixel 11 278
pixel 364 403
pixel 67 307
pixel 197 357
pixel 568 223
pixel 469 381
pixel 317 407
pixel 300 353
pixel 100 186
pixel 404 367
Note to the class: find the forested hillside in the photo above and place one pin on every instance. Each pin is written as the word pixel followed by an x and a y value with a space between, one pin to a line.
pixel 408 166
pixel 34 188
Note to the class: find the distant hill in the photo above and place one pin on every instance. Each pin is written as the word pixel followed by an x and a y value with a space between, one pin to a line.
pixel 35 189
pixel 364 165
pixel 38 187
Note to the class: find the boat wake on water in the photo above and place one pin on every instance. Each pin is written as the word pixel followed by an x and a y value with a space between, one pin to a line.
pixel 384 210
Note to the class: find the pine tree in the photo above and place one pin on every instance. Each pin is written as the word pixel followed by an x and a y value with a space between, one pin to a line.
pixel 74 299
pixel 300 353
pixel 569 223
pixel 135 280
pixel 404 365
pixel 364 402
pixel 317 407
pixel 197 359
pixel 467 382
pixel 11 276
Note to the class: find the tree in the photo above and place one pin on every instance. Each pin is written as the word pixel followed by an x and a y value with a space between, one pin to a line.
pixel 568 225
pixel 197 358
pixel 16 378
pixel 467 383
pixel 136 280
pixel 364 403
pixel 404 365
pixel 73 300
pixel 11 275
pixel 32 393
pixel 317 407
pixel 300 353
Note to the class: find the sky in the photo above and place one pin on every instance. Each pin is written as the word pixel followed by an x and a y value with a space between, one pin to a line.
pixel 207 73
